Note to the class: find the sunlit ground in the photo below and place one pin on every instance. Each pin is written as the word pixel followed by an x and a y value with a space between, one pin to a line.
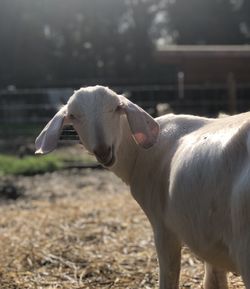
pixel 81 229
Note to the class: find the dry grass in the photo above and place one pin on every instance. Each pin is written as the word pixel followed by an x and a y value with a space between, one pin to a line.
pixel 97 238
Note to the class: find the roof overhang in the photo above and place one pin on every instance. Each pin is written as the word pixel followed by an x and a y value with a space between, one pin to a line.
pixel 204 50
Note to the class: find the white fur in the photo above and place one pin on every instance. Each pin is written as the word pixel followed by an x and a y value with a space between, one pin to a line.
pixel 193 183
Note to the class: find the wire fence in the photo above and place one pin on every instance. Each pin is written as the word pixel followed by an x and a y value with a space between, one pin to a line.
pixel 24 112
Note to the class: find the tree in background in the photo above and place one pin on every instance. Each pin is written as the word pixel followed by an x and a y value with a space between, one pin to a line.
pixel 209 21
pixel 62 42
pixel 23 50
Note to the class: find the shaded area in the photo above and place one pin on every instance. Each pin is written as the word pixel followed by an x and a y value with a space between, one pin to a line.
pixel 9 191
pixel 63 44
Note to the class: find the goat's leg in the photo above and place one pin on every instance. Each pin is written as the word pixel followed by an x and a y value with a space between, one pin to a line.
pixel 243 259
pixel 245 273
pixel 214 278
pixel 169 253
pixel 240 210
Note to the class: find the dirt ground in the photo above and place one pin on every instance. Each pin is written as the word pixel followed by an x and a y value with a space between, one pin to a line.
pixel 79 229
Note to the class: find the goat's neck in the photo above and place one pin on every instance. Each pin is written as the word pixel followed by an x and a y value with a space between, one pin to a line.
pixel 126 154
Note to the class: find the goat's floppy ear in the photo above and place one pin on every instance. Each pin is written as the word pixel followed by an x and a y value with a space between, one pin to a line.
pixel 144 128
pixel 48 138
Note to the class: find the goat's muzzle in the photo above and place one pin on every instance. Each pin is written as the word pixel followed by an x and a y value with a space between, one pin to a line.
pixel 105 154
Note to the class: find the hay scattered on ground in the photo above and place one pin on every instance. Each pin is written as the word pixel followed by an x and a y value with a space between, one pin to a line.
pixel 81 229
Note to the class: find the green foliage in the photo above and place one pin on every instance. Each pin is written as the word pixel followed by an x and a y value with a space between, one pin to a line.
pixel 209 21
pixel 53 40
pixel 62 42
pixel 29 165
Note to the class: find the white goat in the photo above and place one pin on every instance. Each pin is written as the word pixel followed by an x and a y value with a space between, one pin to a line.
pixel 193 183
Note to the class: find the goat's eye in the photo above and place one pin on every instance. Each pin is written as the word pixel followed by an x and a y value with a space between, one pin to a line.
pixel 71 116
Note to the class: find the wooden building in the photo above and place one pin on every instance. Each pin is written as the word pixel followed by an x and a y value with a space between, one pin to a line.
pixel 207 64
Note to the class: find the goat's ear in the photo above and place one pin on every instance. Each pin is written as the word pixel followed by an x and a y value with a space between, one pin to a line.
pixel 49 136
pixel 144 128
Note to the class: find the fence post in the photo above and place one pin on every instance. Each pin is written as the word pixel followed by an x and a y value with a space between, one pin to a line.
pixel 180 76
pixel 232 93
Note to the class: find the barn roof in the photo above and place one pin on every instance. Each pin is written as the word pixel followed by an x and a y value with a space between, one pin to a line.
pixel 204 50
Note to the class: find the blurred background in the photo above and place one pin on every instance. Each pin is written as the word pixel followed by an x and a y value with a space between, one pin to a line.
pixel 63 224
pixel 166 55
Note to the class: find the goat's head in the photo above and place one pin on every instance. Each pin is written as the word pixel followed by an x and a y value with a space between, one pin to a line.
pixel 95 113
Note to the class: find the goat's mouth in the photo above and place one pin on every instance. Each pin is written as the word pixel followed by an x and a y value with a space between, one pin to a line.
pixel 110 162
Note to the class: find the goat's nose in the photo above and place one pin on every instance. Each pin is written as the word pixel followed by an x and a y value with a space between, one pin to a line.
pixel 102 152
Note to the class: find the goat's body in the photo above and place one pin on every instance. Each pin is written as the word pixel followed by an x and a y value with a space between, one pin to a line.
pixel 205 184
pixel 192 184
